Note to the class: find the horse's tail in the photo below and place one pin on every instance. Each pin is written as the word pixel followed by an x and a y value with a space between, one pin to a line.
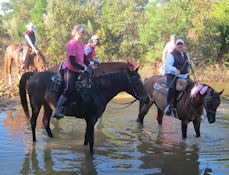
pixel 22 90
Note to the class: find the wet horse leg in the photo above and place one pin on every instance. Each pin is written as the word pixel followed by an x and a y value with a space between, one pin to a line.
pixel 196 124
pixel 89 135
pixel 160 114
pixel 86 137
pixel 46 119
pixel 19 73
pixel 184 128
pixel 143 109
pixel 36 106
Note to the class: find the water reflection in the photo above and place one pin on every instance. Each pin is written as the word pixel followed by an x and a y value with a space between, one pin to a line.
pixel 122 146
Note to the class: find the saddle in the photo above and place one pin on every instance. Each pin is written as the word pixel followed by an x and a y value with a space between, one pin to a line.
pixel 21 48
pixel 83 86
pixel 181 85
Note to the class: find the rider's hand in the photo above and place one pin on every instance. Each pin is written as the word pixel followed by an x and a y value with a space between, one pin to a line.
pixel 89 70
pixel 189 61
pixel 96 61
pixel 36 51
pixel 177 72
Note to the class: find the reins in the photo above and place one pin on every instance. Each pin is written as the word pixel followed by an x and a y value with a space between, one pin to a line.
pixel 130 80
pixel 126 103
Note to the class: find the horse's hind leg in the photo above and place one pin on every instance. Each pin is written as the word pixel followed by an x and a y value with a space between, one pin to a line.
pixel 143 109
pixel 160 114
pixel 46 119
pixel 9 67
pixel 196 124
pixel 36 106
pixel 184 126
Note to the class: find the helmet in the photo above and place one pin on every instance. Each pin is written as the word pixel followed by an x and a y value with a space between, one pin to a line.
pixel 31 26
pixel 94 37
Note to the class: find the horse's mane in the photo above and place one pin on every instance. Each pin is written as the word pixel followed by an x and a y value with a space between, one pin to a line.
pixel 109 79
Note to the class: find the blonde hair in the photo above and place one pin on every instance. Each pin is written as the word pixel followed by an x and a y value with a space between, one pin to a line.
pixel 76 28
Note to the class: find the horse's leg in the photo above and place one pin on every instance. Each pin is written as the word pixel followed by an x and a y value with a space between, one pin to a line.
pixel 196 124
pixel 90 132
pixel 143 109
pixel 46 119
pixel 9 66
pixel 160 114
pixel 184 128
pixel 19 73
pixel 36 106
pixel 86 137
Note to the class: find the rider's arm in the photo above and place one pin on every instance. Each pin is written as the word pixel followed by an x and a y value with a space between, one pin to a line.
pixel 87 50
pixel 35 42
pixel 85 60
pixel 169 68
pixel 191 64
pixel 75 64
pixel 95 60
pixel 29 41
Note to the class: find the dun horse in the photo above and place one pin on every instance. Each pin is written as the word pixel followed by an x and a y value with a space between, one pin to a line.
pixel 12 53
pixel 189 108
pixel 104 88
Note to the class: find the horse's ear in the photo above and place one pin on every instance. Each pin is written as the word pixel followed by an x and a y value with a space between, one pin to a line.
pixel 136 70
pixel 131 65
pixel 221 92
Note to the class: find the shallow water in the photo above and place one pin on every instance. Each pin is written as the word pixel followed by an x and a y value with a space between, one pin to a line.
pixel 122 146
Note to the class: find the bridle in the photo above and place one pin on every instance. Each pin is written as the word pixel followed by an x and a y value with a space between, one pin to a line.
pixel 131 80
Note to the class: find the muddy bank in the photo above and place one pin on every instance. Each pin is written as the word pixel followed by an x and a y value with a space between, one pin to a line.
pixel 9 96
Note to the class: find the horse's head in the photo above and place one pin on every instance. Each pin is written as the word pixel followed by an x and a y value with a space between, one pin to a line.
pixel 136 88
pixel 211 103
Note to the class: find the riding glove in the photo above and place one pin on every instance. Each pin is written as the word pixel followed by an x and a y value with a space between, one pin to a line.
pixel 89 69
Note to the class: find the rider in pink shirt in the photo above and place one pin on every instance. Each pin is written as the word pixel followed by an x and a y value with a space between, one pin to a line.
pixel 73 66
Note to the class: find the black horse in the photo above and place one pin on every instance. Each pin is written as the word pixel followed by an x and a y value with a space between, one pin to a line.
pixel 104 88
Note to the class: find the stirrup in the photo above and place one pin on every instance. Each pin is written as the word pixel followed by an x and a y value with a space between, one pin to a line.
pixel 58 113
pixel 169 110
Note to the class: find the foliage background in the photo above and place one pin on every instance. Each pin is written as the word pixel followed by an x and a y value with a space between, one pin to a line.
pixel 129 29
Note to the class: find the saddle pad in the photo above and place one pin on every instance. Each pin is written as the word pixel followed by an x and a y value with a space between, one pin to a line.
pixel 160 88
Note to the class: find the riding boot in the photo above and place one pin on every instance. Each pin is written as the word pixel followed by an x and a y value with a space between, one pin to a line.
pixel 58 113
pixel 169 109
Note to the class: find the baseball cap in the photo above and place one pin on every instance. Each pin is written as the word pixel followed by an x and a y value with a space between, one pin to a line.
pixel 179 41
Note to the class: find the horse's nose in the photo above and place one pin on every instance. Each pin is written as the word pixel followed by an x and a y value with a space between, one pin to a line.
pixel 211 119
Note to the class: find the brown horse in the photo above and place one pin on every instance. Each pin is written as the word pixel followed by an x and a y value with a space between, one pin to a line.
pixel 103 68
pixel 188 108
pixel 12 53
